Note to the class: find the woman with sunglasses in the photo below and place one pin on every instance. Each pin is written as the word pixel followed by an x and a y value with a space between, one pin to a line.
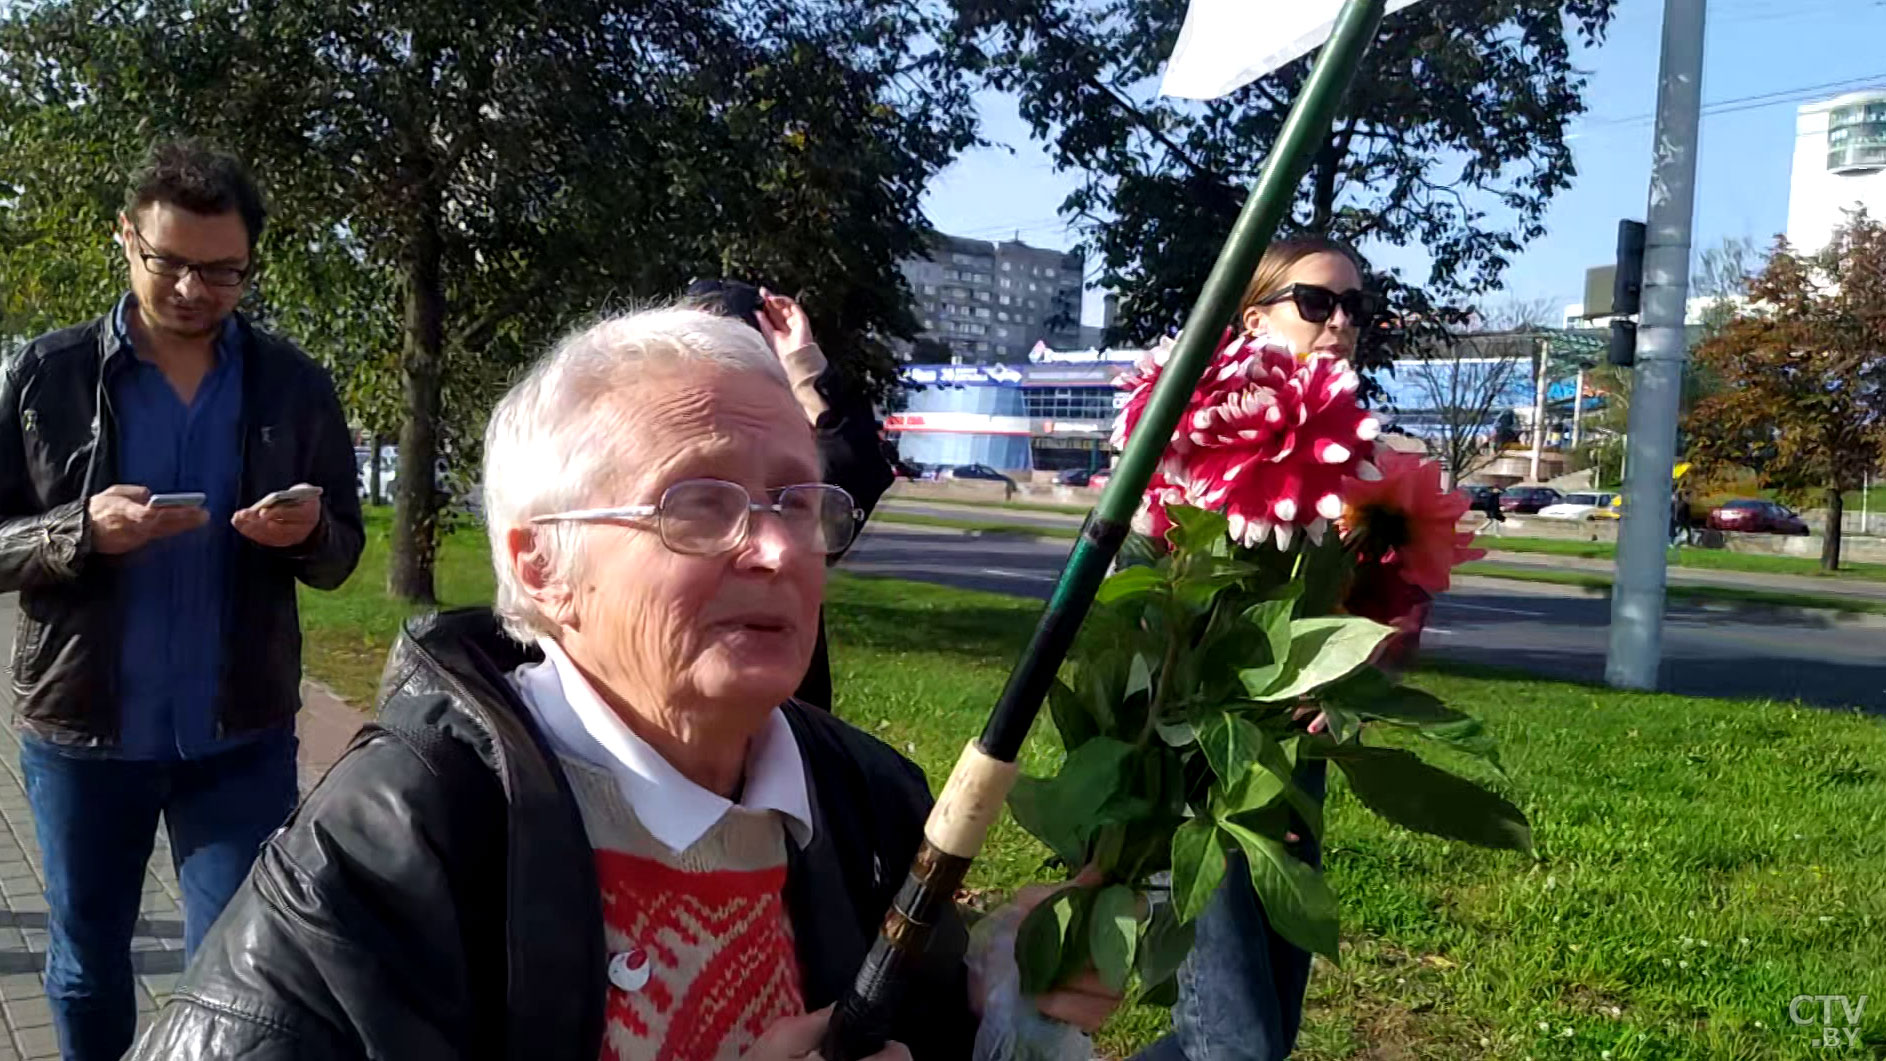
pixel 1241 990
pixel 1308 293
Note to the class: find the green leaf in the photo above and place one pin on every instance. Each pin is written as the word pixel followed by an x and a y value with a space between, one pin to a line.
pixel 1370 693
pixel 1467 735
pixel 1323 650
pixel 1071 719
pixel 1207 578
pixel 1296 899
pixel 1400 787
pixel 1140 549
pixel 1255 789
pixel 1039 940
pixel 1090 791
pixel 1164 994
pixel 1196 529
pixel 1176 734
pixel 1163 944
pixel 1128 583
pixel 1272 619
pixel 1139 676
pixel 1113 934
pixel 1198 864
pixel 1036 806
pixel 1076 953
pixel 1324 575
pixel 1231 744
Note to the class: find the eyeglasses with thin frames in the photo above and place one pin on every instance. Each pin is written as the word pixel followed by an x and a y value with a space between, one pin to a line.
pixel 215 275
pixel 708 517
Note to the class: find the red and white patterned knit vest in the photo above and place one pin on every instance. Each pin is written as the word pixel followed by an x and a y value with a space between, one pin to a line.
pixel 702 958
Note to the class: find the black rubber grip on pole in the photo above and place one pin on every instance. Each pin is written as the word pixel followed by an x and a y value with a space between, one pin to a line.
pixel 862 1021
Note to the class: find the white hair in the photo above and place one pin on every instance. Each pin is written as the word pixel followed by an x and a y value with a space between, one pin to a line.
pixel 556 437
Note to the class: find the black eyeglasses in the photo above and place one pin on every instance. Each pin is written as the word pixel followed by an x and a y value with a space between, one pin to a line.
pixel 1316 303
pixel 174 268
pixel 707 517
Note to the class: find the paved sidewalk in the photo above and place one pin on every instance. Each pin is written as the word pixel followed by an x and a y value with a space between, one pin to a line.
pixel 325 726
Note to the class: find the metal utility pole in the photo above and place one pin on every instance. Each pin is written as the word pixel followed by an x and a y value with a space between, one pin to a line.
pixel 1637 598
pixel 1538 410
pixel 1578 409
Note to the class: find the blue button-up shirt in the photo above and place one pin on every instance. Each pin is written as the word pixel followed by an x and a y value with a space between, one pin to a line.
pixel 174 591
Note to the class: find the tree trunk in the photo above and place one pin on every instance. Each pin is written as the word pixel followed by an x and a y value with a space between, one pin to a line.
pixel 416 500
pixel 374 492
pixel 1830 539
pixel 1323 187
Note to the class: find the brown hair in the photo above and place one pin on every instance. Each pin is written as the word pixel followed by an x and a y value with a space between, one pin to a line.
pixel 1282 256
pixel 191 175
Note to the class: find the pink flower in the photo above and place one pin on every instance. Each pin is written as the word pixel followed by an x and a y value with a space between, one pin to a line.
pixel 1266 437
pixel 1404 519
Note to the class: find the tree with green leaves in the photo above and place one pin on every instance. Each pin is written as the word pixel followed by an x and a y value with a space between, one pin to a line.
pixel 1802 373
pixel 454 185
pixel 1451 139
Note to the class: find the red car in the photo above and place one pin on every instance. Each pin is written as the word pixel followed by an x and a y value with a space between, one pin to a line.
pixel 1528 500
pixel 1756 517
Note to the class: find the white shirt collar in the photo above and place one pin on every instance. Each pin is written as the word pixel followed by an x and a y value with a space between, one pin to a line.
pixel 675 810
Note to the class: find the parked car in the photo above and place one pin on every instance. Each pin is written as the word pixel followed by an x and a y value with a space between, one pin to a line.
pixel 1580 506
pixel 1754 516
pixel 980 472
pixel 1528 500
pixel 904 469
pixel 1100 479
pixel 1073 477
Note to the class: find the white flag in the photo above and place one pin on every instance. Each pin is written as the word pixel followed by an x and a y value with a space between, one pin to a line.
pixel 1227 44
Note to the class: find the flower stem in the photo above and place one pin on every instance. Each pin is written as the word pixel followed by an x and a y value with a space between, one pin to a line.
pixel 1164 684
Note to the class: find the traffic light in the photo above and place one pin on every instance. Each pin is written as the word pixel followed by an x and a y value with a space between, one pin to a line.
pixel 1627 288
pixel 1628 285
pixel 1623 351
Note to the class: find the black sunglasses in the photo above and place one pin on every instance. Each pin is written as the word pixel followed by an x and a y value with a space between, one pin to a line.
pixel 727 298
pixel 1316 303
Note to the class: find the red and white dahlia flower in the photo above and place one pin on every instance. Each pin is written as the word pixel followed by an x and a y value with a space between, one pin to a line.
pixel 1267 438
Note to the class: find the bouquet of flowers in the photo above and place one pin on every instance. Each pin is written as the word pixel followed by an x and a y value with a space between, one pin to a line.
pixel 1283 568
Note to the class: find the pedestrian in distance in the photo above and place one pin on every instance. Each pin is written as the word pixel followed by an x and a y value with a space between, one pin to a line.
pixel 168 473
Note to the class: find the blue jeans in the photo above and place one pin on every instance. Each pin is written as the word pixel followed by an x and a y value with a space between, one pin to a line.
pixel 1241 988
pixel 97 822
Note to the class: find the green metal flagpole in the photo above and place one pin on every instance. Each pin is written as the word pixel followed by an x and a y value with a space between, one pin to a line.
pixel 973 798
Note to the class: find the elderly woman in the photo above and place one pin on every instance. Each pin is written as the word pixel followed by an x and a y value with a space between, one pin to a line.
pixel 593 824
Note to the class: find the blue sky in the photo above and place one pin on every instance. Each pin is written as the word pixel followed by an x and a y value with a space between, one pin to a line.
pixel 1762 60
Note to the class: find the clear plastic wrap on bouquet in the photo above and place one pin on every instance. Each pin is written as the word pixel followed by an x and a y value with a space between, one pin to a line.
pixel 1012 1028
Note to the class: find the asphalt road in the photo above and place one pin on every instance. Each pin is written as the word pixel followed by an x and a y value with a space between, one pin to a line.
pixel 1555 631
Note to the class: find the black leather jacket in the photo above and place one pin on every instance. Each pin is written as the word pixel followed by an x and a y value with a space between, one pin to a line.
pixel 852 454
pixel 58 448
pixel 436 897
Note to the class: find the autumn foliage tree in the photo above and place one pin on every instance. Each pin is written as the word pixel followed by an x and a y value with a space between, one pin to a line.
pixel 1802 373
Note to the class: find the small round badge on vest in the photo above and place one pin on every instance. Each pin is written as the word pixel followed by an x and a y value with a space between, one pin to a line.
pixel 629 970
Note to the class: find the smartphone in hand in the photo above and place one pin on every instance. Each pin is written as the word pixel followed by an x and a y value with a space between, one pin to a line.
pixel 177 500
pixel 294 495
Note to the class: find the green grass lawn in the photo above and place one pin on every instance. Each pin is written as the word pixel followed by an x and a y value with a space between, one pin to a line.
pixel 1700 862
pixel 346 633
